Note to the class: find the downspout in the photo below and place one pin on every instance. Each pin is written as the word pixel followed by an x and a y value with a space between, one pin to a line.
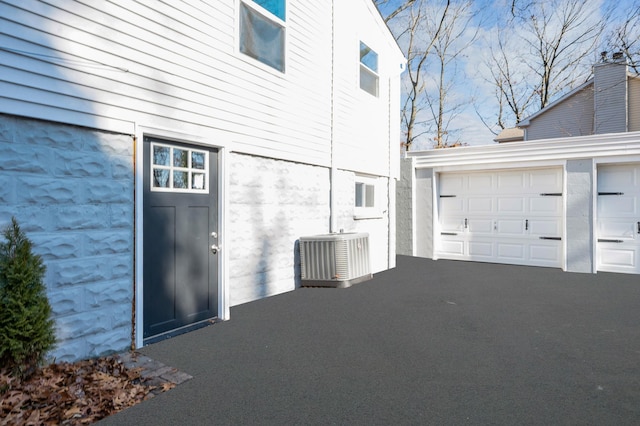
pixel 333 196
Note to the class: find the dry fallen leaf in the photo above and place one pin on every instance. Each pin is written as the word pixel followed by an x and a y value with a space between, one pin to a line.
pixel 72 393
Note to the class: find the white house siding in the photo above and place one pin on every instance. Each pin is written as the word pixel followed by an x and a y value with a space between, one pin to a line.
pixel 71 190
pixel 572 117
pixel 171 65
pixel 272 203
pixel 361 120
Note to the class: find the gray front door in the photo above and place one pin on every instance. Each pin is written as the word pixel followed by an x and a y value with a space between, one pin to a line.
pixel 180 207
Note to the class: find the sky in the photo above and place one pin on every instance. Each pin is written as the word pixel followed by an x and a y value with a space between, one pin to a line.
pixel 470 87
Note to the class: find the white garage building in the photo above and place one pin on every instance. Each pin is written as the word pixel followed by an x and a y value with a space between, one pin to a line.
pixel 570 203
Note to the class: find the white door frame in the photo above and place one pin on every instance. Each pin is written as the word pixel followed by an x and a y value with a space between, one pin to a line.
pixel 203 140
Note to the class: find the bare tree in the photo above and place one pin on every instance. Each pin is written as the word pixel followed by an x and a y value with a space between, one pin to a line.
pixel 396 8
pixel 451 38
pixel 550 50
pixel 625 38
pixel 408 26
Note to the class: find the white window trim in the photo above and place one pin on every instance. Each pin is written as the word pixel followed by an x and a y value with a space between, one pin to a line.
pixel 376 211
pixel 268 15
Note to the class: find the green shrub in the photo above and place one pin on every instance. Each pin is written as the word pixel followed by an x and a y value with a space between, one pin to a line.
pixel 26 327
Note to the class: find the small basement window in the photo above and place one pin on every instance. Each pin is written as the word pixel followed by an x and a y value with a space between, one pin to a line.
pixel 367 204
pixel 369 79
pixel 262 31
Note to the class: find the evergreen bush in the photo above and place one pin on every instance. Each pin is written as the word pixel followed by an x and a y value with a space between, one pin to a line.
pixel 26 327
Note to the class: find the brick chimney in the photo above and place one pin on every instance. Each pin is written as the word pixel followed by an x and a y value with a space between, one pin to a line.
pixel 610 96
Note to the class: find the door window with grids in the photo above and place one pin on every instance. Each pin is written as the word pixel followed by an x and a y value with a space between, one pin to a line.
pixel 177 169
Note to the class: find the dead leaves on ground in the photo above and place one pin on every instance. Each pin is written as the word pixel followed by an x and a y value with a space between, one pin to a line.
pixel 72 393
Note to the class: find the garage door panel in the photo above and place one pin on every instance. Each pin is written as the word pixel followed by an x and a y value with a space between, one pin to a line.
pixel 511 182
pixel 614 206
pixel 481 226
pixel 546 181
pixel 451 247
pixel 480 183
pixel 510 227
pixel 501 209
pixel 511 205
pixel 545 227
pixel 452 183
pixel 617 229
pixel 547 205
pixel 453 205
pixel 511 251
pixel 611 178
pixel 481 249
pixel 452 224
pixel 612 256
pixel 549 252
pixel 480 205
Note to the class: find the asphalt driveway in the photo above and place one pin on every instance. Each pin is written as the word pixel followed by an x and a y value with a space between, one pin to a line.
pixel 430 342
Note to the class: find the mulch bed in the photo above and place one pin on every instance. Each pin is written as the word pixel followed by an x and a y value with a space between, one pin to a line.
pixel 77 393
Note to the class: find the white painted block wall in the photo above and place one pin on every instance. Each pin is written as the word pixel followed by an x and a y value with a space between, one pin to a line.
pixel 71 189
pixel 272 203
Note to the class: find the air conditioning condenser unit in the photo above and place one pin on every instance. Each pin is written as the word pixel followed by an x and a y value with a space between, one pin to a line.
pixel 335 260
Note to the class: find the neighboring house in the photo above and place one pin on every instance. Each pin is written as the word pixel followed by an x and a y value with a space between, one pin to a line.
pixel 607 103
pixel 564 192
pixel 165 157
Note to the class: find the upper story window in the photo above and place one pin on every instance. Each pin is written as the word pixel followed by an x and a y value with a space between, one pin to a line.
pixel 262 31
pixel 368 70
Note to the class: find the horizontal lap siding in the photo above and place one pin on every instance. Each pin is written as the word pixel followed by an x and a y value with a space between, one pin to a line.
pixel 168 64
pixel 572 117
pixel 362 124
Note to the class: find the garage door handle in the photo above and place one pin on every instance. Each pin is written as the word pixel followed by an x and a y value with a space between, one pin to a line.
pixel 638 223
pixel 448 233
pixel 526 225
pixel 604 240
pixel 551 238
pixel 447 196
pixel 610 193
pixel 551 194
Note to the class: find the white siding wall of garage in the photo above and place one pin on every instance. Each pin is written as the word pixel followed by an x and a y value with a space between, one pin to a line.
pixel 572 203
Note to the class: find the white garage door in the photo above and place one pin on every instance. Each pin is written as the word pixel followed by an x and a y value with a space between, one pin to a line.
pixel 510 216
pixel 618 221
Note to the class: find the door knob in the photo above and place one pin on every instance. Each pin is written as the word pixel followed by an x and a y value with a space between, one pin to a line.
pixel 214 249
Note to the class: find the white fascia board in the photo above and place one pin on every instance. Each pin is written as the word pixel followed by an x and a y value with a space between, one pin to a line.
pixel 532 152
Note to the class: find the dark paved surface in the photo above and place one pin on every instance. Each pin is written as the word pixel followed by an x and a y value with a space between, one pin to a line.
pixel 431 342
